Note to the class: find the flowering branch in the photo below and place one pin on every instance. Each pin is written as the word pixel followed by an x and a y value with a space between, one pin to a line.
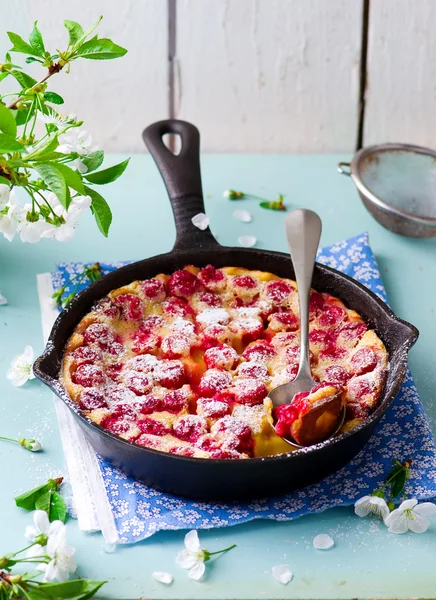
pixel 55 561
pixel 93 273
pixel 268 204
pixel 28 444
pixel 45 498
pixel 58 168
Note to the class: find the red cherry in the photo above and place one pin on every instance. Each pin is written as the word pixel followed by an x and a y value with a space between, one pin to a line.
pixel 98 333
pixel 245 281
pixel 92 399
pixel 336 375
pixel 259 352
pixel 214 335
pixel 210 299
pixel 190 428
pixel 278 290
pixel 254 370
pixel 178 306
pixel 216 407
pixel 285 321
pixel 363 361
pixel 355 410
pixel 175 401
pixel 149 404
pixel 332 315
pixel 131 307
pixel 236 429
pixel 224 454
pixel 213 381
pixel 353 330
pixel 107 308
pixel 210 277
pixel 183 283
pixel 154 289
pixel 317 336
pixel 316 303
pixel 126 411
pixel 152 427
pixel 115 425
pixel 333 352
pixel 175 345
pixel 170 373
pixel 250 391
pixel 358 387
pixel 223 357
pixel 152 324
pixel 85 355
pixel 143 343
pixel 113 371
pixel 139 383
pixel 249 328
pixel 88 375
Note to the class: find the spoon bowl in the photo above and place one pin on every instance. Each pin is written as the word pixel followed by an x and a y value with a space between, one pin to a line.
pixel 327 413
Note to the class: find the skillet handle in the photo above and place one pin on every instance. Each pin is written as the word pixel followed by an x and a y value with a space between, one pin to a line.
pixel 182 178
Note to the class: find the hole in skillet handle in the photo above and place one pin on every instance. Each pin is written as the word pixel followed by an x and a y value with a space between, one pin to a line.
pixel 182 178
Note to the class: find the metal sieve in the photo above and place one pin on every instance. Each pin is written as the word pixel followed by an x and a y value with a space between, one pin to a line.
pixel 397 184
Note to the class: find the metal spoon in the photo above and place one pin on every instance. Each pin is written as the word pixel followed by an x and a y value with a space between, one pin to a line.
pixel 303 231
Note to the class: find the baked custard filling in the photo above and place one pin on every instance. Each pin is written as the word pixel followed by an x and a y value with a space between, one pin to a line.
pixel 183 363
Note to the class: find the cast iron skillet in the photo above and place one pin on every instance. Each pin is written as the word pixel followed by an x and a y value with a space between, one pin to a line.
pixel 222 479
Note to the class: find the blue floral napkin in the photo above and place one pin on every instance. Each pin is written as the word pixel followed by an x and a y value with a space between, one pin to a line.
pixel 403 433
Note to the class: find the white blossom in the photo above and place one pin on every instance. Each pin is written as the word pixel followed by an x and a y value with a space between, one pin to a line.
pixel 3 300
pixel 410 516
pixel 76 140
pixel 192 557
pixel 65 232
pixel 62 561
pixel 322 541
pixel 21 367
pixel 9 214
pixel 163 577
pixel 57 119
pixel 371 505
pixel 282 573
pixel 201 221
pixel 42 530
pixel 4 195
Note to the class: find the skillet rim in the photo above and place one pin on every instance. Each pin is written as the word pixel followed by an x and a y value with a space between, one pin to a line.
pixel 55 384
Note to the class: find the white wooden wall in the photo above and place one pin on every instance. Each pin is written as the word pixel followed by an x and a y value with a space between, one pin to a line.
pixel 254 75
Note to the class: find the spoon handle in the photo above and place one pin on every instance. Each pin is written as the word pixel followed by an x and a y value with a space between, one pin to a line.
pixel 303 231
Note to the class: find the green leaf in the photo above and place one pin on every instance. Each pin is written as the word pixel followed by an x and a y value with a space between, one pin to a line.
pixel 100 49
pixel 107 175
pixel 93 160
pixel 9 144
pixel 28 499
pixel 7 121
pixel 76 589
pixel 4 181
pixel 21 116
pixel 45 149
pixel 54 180
pixel 31 59
pixel 72 178
pixel 58 508
pixel 8 57
pixel 43 501
pixel 75 31
pixel 3 75
pixel 36 41
pixel 398 484
pixel 101 210
pixel 53 98
pixel 24 79
pixel 19 45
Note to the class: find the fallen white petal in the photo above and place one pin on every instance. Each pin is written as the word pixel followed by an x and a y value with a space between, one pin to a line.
pixel 163 577
pixel 282 573
pixel 323 542
pixel 201 221
pixel 3 300
pixel 242 215
pixel 426 508
pixel 247 241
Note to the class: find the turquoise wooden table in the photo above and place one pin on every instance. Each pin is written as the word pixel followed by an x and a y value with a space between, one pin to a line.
pixel 366 561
